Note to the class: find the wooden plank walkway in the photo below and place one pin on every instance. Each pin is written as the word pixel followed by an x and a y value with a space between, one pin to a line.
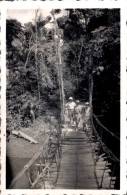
pixel 75 169
pixel 77 165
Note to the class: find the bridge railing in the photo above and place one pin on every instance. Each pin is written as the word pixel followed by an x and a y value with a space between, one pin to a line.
pixel 107 139
pixel 103 154
pixel 50 152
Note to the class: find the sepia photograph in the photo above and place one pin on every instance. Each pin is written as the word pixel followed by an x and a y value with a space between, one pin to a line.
pixel 63 99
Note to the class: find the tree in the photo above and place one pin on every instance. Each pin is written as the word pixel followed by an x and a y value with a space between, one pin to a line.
pixel 22 80
pixel 91 34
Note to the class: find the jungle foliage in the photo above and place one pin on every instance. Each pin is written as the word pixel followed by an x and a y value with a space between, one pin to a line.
pixel 90 45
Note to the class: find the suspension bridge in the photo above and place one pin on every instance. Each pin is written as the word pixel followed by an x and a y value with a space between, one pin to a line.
pixel 75 159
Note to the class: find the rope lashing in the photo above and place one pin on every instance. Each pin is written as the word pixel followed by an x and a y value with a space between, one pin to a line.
pixel 50 156
pixel 42 174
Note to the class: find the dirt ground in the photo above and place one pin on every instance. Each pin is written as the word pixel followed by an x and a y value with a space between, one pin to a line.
pixel 21 148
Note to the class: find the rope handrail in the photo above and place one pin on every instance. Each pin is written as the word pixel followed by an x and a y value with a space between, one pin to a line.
pixel 106 149
pixel 28 164
pixel 111 133
pixel 40 175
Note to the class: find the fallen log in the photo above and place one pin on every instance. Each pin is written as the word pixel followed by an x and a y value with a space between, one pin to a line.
pixel 23 135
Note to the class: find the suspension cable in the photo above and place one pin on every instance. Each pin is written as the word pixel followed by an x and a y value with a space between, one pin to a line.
pixel 111 133
pixel 106 149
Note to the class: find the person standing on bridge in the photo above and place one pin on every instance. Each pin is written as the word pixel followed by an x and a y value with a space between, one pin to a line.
pixel 86 116
pixel 77 113
pixel 71 108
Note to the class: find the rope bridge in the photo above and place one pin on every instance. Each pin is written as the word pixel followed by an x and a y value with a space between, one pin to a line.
pixel 61 147
pixel 99 148
pixel 50 152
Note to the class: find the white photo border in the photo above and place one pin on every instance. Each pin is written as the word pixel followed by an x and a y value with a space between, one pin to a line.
pixel 122 5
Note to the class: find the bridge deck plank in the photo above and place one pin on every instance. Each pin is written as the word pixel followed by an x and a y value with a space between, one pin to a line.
pixel 77 165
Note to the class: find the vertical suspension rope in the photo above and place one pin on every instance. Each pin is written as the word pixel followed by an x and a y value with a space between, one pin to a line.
pixel 61 85
pixel 103 174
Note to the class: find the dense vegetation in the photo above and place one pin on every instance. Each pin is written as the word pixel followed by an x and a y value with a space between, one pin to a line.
pixel 90 50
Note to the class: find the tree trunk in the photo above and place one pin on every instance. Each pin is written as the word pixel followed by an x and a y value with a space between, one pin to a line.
pixel 60 74
pixel 28 52
pixel 36 59
pixel 91 87
pixel 58 71
pixel 91 93
pixel 61 80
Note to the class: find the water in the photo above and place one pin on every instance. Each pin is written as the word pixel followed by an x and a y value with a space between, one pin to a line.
pixel 13 167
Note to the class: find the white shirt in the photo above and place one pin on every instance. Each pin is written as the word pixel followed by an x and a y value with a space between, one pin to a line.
pixel 78 109
pixel 71 105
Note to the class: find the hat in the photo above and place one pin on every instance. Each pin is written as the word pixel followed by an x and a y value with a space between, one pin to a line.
pixel 70 98
pixel 87 103
pixel 77 101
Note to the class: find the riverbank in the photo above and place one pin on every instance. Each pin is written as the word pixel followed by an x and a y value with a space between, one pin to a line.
pixel 39 130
